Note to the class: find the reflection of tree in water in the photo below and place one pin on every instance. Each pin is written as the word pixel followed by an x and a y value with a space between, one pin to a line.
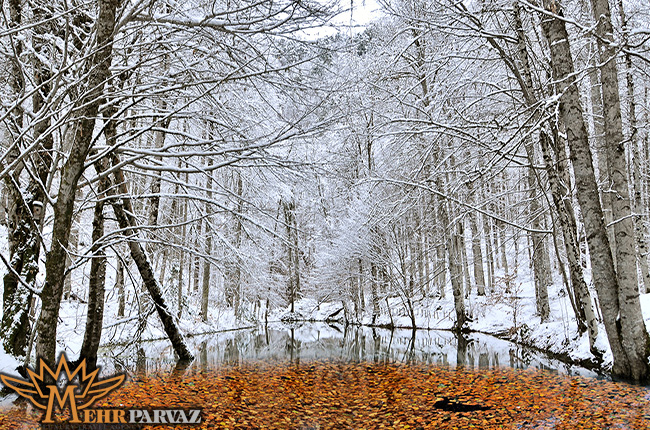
pixel 141 362
pixel 409 355
pixel 293 348
pixel 231 353
pixel 324 342
pixel 483 360
pixel 203 355
pixel 461 350
pixel 520 358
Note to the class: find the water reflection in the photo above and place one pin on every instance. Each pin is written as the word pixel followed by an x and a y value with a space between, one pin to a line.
pixel 319 341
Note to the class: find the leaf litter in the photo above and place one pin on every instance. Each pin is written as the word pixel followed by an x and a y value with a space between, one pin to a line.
pixel 331 395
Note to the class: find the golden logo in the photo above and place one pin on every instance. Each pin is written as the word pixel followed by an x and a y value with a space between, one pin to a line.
pixel 78 395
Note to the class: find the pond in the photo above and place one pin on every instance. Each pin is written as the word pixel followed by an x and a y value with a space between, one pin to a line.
pixel 305 342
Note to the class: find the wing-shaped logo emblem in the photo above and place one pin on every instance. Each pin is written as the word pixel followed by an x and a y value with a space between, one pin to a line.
pixel 42 390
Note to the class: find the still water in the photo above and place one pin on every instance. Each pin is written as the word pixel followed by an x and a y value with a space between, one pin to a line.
pixel 300 343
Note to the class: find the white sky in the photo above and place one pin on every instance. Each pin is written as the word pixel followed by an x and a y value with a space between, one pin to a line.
pixel 363 12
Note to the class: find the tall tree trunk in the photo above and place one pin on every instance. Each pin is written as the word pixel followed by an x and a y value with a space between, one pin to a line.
pixel 96 286
pixel 640 228
pixel 489 253
pixel 467 284
pixel 197 265
pixel 579 293
pixel 604 184
pixel 362 301
pixel 455 271
pixel 477 255
pixel 123 212
pixel 374 275
pixel 453 244
pixel 426 257
pixel 293 256
pixel 441 268
pixel 98 74
pixel 26 205
pixel 635 341
pixel 207 265
pixel 181 258
pixel 628 340
pixel 119 285
pixel 541 261
pixel 585 316
pixel 234 280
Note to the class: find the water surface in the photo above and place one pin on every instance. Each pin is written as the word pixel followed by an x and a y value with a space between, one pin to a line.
pixel 305 342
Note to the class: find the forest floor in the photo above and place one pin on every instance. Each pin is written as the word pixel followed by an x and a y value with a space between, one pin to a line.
pixel 321 395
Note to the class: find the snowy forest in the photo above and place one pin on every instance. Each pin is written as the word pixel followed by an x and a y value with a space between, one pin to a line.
pixel 174 168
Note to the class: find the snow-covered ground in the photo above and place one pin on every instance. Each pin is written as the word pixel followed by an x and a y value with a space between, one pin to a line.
pixel 507 315
pixel 510 315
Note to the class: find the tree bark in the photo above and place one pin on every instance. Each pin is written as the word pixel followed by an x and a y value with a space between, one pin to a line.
pixel 119 285
pixel 585 316
pixel 96 286
pixel 477 255
pixel 489 253
pixel 628 341
pixel 603 176
pixel 293 257
pixel 635 339
pixel 123 212
pixel 26 204
pixel 467 284
pixel 640 228
pixel 98 74
pixel 125 215
pixel 579 293
pixel 541 261
pixel 205 282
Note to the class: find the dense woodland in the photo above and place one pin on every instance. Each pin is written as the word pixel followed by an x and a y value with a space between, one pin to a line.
pixel 199 155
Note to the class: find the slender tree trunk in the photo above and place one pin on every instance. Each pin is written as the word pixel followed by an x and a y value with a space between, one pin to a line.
pixel 585 316
pixel 197 267
pixel 467 284
pixel 489 253
pixel 477 255
pixel 362 301
pixel 235 278
pixel 205 285
pixel 96 287
pixel 640 228
pixel 626 333
pixel 441 269
pixel 541 261
pixel 454 243
pixel 604 181
pixel 119 285
pixel 374 273
pixel 455 271
pixel 427 264
pixel 181 258
pixel 292 251
pixel 123 213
